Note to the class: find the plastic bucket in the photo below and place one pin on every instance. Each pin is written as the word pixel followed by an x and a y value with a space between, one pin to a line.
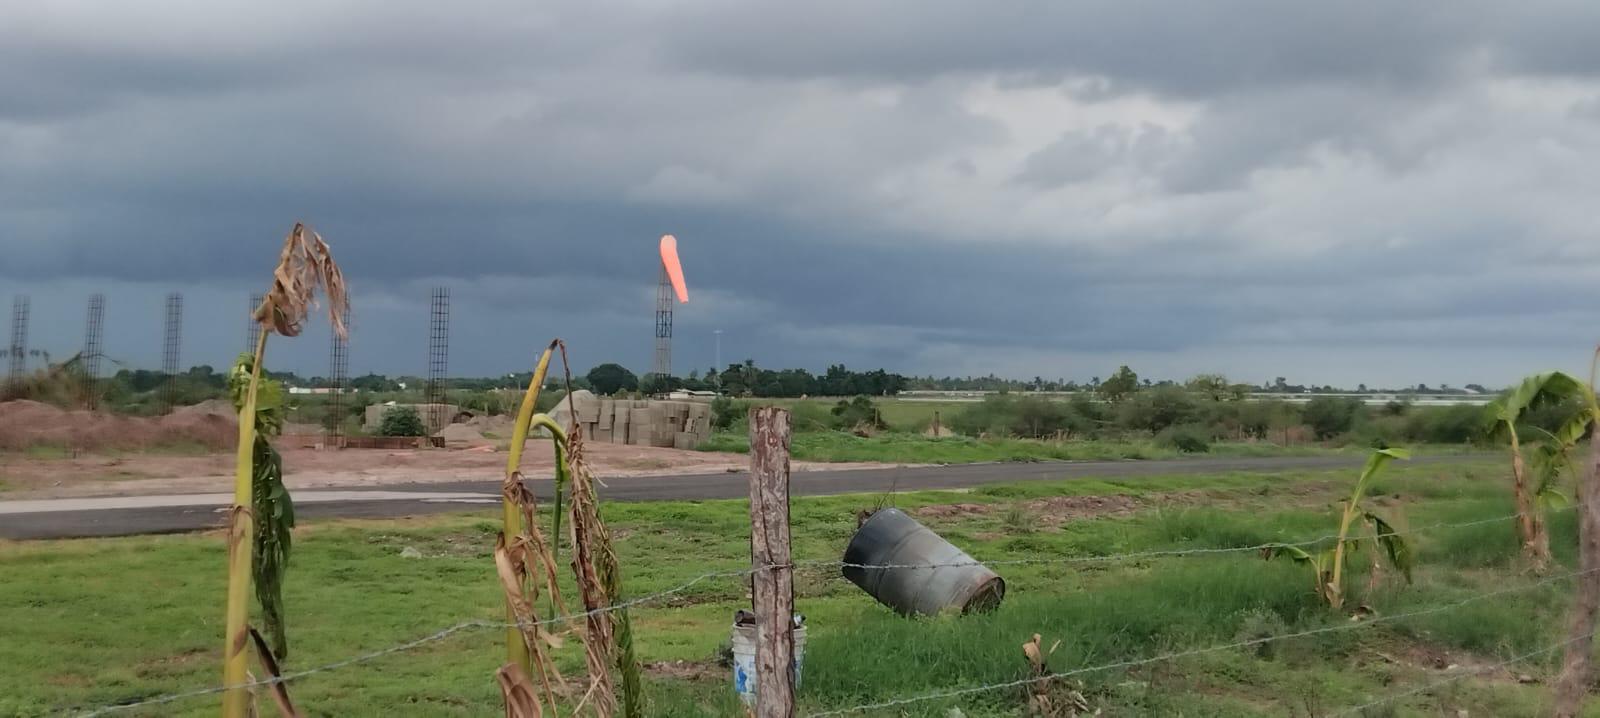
pixel 744 660
pixel 952 581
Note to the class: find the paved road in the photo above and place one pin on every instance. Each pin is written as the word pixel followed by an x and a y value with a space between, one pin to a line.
pixel 119 516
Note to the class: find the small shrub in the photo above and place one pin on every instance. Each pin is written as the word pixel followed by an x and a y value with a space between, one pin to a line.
pixel 1017 520
pixel 1028 417
pixel 1157 409
pixel 726 411
pixel 402 421
pixel 811 416
pixel 1187 439
pixel 1261 625
pixel 853 413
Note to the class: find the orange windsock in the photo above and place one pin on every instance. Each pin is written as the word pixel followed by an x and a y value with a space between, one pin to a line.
pixel 669 260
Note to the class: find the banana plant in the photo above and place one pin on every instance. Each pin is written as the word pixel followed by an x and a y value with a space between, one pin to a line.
pixel 1329 565
pixel 1552 460
pixel 305 268
pixel 1532 498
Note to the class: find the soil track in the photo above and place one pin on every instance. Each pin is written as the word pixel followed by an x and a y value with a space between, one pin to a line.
pixel 63 518
pixel 139 474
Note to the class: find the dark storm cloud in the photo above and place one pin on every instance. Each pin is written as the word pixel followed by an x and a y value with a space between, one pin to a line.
pixel 932 186
pixel 1186 48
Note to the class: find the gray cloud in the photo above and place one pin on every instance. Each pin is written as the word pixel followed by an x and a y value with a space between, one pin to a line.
pixel 935 187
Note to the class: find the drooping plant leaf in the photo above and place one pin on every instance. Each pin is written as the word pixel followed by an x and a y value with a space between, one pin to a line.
pixel 1375 462
pixel 272 509
pixel 1552 458
pixel 279 690
pixel 1534 391
pixel 1552 498
pixel 521 698
pixel 1394 545
pixel 1573 430
pixel 305 266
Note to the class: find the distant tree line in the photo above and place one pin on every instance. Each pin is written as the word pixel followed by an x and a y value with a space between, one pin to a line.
pixel 1201 411
pixel 749 380
pixel 1278 385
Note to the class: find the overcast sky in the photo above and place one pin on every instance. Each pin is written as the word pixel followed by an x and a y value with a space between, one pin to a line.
pixel 1373 192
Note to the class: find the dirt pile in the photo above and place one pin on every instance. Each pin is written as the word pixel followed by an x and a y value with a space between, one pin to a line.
pixel 462 436
pixel 499 425
pixel 25 424
pixel 209 407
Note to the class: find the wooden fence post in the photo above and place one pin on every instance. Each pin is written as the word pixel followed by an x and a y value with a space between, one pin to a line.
pixel 769 556
pixel 1576 670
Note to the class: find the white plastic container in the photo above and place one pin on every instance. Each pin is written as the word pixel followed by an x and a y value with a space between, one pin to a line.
pixel 744 660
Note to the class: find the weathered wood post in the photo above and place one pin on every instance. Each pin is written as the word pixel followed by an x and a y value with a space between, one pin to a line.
pixel 769 556
pixel 1576 667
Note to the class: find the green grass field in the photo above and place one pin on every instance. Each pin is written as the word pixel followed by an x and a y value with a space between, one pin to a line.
pixel 919 449
pixel 97 622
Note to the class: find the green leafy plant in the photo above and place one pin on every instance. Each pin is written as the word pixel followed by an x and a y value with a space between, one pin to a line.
pixel 725 412
pixel 402 421
pixel 1330 565
pixel 1187 439
pixel 1532 494
pixel 858 412
pixel 270 506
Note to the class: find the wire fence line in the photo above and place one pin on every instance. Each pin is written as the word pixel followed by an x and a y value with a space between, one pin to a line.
pixel 1353 710
pixel 1111 558
pixel 1194 652
pixel 408 645
pixel 472 625
pixel 439 636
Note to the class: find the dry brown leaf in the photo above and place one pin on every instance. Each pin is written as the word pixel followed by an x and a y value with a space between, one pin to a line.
pixel 521 698
pixel 1035 655
pixel 513 577
pixel 280 692
pixel 305 266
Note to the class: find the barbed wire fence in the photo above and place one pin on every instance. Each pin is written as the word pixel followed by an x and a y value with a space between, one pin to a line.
pixel 476 625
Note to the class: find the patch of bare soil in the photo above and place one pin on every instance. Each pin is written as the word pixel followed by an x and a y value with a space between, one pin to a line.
pixel 1050 511
pixel 687 670
pixel 170 665
pixel 1443 661
pixel 1057 510
pixel 946 511
pixel 153 473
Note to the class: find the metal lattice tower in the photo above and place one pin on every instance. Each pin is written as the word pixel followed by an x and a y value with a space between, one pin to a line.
pixel 253 330
pixel 662 367
pixel 173 339
pixel 94 329
pixel 339 371
pixel 438 357
pixel 20 306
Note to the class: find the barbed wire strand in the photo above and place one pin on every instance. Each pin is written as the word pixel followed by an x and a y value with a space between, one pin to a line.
pixel 480 624
pixel 1109 558
pixel 1458 676
pixel 400 648
pixel 1192 652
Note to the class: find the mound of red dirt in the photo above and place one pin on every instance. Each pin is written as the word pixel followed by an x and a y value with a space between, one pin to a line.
pixel 25 424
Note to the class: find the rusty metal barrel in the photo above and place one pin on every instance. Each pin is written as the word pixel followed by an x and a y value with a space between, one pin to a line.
pixel 947 578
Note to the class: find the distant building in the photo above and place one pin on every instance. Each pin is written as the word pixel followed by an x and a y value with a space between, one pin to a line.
pixel 686 395
pixel 317 390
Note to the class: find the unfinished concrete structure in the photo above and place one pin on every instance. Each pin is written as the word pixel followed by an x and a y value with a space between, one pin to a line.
pixel 676 424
